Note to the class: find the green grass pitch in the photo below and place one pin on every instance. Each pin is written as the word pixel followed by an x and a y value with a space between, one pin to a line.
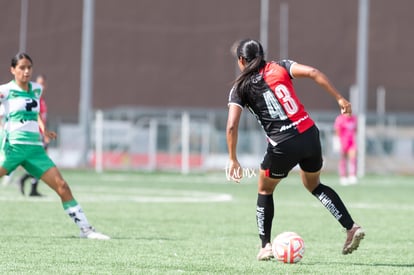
pixel 166 223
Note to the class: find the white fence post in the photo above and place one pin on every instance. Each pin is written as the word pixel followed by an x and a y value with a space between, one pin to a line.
pixel 99 141
pixel 152 144
pixel 185 143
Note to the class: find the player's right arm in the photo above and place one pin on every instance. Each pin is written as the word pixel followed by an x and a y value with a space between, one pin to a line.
pixel 232 129
pixel 4 92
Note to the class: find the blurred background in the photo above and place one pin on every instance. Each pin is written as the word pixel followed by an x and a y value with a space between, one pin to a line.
pixel 143 84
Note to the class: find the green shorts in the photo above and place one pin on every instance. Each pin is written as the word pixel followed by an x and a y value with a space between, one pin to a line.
pixel 33 158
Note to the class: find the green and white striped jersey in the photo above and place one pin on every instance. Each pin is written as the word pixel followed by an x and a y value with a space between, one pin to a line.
pixel 20 113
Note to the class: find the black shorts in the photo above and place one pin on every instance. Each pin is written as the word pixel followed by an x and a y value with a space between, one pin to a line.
pixel 304 149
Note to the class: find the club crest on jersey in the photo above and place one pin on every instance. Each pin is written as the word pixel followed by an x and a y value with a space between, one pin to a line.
pixel 256 78
pixel 37 93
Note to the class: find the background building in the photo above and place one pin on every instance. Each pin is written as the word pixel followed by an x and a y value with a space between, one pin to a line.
pixel 176 54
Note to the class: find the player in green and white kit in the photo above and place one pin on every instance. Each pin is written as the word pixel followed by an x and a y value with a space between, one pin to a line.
pixel 22 142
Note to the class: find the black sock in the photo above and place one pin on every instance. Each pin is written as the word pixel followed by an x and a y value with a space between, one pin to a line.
pixel 330 199
pixel 35 183
pixel 264 217
pixel 25 177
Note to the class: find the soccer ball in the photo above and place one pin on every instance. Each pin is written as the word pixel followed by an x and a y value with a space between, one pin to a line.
pixel 288 247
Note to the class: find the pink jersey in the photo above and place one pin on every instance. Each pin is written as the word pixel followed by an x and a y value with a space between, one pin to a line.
pixel 346 127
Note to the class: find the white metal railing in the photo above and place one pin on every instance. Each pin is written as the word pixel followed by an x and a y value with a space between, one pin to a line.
pixel 185 142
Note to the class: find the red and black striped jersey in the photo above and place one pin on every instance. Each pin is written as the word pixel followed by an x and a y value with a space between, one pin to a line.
pixel 273 101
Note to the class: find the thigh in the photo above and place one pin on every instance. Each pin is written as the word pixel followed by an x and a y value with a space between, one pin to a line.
pixel 38 162
pixel 311 151
pixel 279 160
pixel 12 156
pixel 304 149
pixel 266 185
pixel 54 180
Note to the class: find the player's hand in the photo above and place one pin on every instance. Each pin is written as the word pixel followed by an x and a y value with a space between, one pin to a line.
pixel 46 139
pixel 345 106
pixel 50 134
pixel 234 171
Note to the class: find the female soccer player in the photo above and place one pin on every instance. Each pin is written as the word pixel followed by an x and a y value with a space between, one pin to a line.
pixel 42 119
pixel 22 142
pixel 345 128
pixel 266 89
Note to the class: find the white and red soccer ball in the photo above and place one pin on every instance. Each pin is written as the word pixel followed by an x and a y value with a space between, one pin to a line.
pixel 288 247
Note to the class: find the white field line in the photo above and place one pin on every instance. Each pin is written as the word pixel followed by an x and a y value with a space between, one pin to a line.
pixel 134 195
pixel 210 179
pixel 138 195
pixel 160 197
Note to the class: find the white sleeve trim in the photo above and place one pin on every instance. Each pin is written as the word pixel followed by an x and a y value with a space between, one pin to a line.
pixel 232 103
pixel 290 69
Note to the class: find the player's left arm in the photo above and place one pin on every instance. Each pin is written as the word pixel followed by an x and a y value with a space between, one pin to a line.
pixel 300 70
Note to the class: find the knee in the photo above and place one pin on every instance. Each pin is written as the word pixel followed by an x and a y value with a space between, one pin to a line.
pixel 3 172
pixel 62 187
pixel 310 183
pixel 267 185
pixel 265 191
pixel 311 187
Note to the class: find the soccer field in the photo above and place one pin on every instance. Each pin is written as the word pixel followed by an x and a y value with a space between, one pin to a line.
pixel 202 224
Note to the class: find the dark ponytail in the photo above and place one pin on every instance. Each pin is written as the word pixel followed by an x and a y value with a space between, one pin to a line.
pixel 252 53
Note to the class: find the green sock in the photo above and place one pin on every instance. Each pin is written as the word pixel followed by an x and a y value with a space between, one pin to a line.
pixel 71 203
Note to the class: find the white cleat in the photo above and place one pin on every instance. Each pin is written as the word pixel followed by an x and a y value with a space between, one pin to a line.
pixel 343 181
pixel 265 253
pixel 352 180
pixel 90 233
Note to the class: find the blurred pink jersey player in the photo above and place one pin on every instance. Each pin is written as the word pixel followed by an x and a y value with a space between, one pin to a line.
pixel 345 128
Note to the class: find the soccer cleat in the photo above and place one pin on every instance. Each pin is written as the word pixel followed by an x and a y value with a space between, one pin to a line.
pixel 90 233
pixel 352 180
pixel 265 253
pixel 353 238
pixel 35 194
pixel 343 181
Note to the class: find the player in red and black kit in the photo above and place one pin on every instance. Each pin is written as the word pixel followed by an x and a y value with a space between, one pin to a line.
pixel 266 89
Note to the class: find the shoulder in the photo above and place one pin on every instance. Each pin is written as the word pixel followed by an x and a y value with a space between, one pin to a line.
pixel 36 86
pixel 277 70
pixel 7 85
pixel 37 89
pixel 234 98
pixel 339 117
pixel 5 88
pixel 338 121
pixel 287 64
